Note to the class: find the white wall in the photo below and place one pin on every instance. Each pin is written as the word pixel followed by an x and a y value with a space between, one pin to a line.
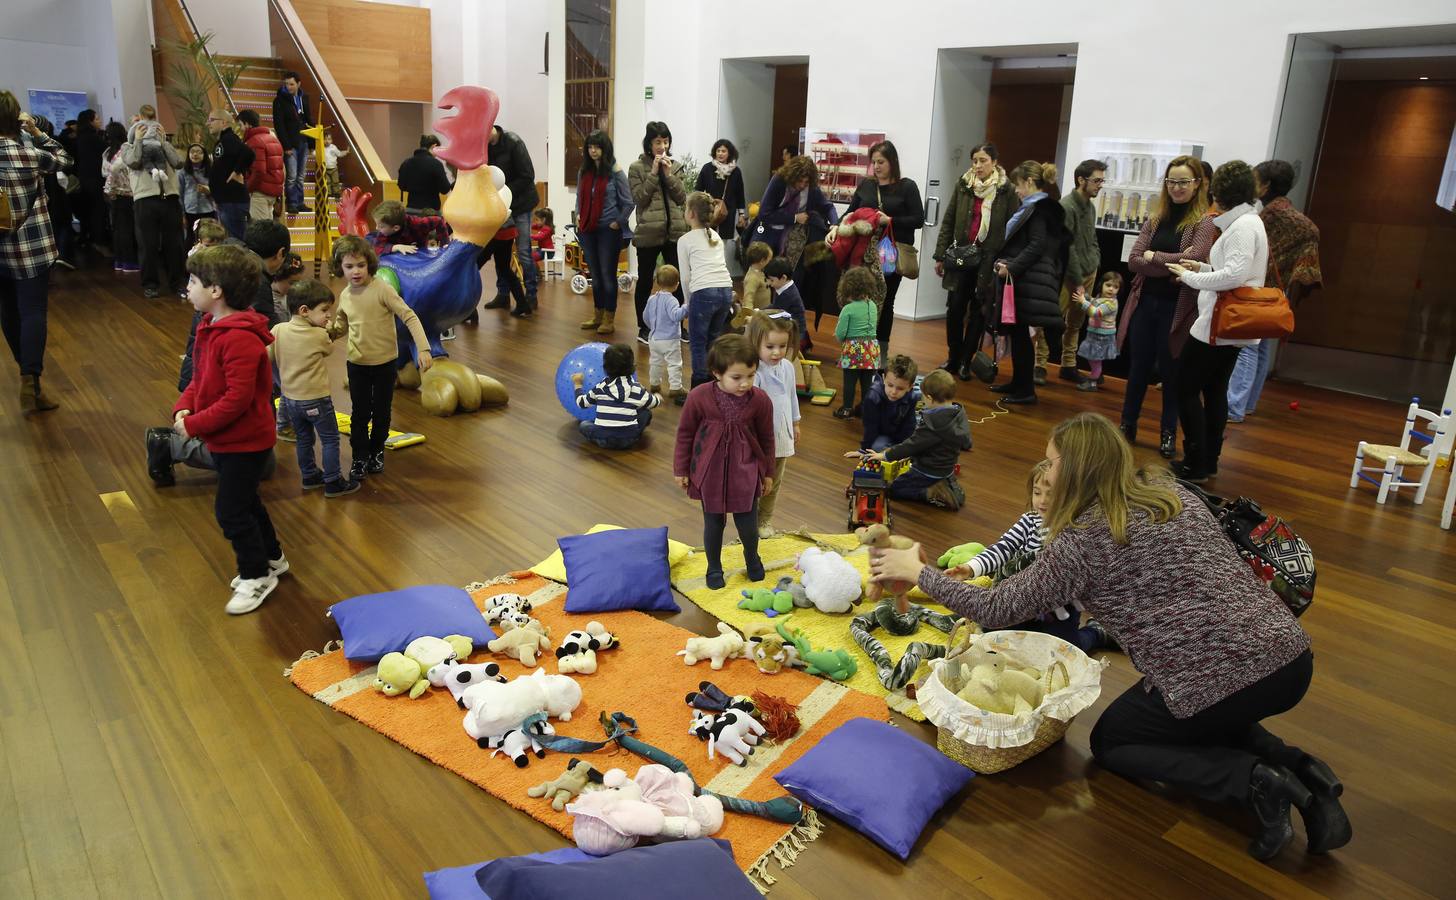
pixel 102 47
pixel 239 27
pixel 745 111
pixel 958 116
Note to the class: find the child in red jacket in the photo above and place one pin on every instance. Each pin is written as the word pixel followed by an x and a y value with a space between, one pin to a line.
pixel 725 452
pixel 229 406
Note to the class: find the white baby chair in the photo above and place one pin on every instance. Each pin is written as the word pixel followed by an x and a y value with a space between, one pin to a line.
pixel 1392 460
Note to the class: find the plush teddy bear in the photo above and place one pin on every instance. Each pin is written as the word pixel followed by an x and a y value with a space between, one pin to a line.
pixel 568 784
pixel 458 676
pixel 523 643
pixel 492 709
pixel 830 583
pixel 399 673
pixel 578 650
pixel 501 604
pixel 729 644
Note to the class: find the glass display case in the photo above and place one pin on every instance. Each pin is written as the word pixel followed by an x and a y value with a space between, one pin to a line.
pixel 843 159
pixel 1135 168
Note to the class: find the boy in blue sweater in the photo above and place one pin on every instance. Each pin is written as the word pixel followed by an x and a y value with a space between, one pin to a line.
pixel 623 407
pixel 889 407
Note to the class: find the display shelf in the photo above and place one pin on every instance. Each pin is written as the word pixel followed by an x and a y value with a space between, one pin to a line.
pixel 1129 196
pixel 843 160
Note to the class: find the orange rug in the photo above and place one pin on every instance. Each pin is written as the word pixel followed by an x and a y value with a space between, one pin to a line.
pixel 641 678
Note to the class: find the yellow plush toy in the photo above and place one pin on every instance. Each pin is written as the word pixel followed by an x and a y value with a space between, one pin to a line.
pixel 398 673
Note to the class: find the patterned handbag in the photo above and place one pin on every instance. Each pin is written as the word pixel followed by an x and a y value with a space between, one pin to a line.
pixel 1275 552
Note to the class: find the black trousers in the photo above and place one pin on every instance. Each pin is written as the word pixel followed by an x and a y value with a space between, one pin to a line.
pixel 1147 346
pixel 886 323
pixel 1203 380
pixel 91 212
pixel 1023 356
pixel 123 231
pixel 240 511
pixel 965 322
pixel 747 525
pixel 159 237
pixel 646 268
pixel 371 390
pixel 1211 753
pixel 864 379
pixel 502 252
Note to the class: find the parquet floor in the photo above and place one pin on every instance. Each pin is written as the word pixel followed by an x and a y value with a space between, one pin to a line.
pixel 152 747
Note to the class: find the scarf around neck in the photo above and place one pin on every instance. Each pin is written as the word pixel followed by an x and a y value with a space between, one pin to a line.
pixel 986 191
pixel 1027 204
pixel 724 169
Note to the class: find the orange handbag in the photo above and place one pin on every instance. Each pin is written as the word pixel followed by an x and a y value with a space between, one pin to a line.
pixel 1246 313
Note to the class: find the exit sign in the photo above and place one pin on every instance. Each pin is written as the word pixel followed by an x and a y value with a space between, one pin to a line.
pixel 647 93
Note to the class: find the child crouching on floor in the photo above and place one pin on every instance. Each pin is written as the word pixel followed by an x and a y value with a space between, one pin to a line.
pixel 623 407
pixel 933 448
pixel 889 406
pixel 1016 550
pixel 772 333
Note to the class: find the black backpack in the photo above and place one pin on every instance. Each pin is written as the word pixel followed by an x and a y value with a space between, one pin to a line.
pixel 1272 549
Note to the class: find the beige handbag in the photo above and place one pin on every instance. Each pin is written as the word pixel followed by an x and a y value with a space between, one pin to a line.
pixel 907 258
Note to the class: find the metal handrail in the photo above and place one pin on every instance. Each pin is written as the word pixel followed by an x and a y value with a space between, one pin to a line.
pixel 211 60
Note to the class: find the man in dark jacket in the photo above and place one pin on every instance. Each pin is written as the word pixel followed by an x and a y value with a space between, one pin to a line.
pixel 508 152
pixel 91 201
pixel 266 176
pixel 227 179
pixel 422 177
pixel 290 117
pixel 1083 259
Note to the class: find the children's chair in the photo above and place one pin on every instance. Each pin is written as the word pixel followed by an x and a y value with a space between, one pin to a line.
pixel 1392 459
pixel 553 265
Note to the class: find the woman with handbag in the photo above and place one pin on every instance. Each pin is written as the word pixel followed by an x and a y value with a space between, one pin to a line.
pixel 1030 270
pixel 898 200
pixel 1239 258
pixel 965 250
pixel 1219 651
pixel 793 212
pixel 722 180
pixel 658 191
pixel 1155 320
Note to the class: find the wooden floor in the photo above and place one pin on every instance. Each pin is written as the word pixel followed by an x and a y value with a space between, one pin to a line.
pixel 152 747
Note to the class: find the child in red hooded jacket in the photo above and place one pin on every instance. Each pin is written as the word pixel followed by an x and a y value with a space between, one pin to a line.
pixel 229 406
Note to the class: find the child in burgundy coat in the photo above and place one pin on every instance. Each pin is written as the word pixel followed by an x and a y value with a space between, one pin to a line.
pixel 725 452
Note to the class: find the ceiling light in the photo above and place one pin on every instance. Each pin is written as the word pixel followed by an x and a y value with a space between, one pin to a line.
pixel 1425 78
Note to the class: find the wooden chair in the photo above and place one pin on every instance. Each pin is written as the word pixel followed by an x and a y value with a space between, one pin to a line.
pixel 1392 459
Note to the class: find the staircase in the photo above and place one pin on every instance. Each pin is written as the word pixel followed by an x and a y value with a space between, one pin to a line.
pixel 255 90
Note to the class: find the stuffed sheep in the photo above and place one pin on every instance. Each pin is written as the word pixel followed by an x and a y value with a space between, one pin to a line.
pixel 830 583
pixel 727 645
pixel 502 604
pixel 492 709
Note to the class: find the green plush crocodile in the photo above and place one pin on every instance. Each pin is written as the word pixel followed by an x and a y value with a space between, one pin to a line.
pixel 836 665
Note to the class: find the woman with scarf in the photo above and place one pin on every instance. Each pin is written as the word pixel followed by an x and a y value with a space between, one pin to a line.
pixel 977 213
pixel 603 206
pixel 722 180
pixel 657 186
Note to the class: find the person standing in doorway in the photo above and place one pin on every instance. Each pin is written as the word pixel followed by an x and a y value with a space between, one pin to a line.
pixel 603 216
pixel 898 200
pixel 1083 258
pixel 509 153
pixel 979 208
pixel 290 117
pixel 723 181
pixel 266 176
pixel 422 177
pixel 1293 265
pixel 227 181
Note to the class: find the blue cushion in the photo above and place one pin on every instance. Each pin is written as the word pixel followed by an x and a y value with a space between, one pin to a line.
pixel 614 570
pixel 667 871
pixel 889 811
pixel 458 883
pixel 376 624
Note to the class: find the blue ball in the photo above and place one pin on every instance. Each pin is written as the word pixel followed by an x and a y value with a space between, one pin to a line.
pixel 586 359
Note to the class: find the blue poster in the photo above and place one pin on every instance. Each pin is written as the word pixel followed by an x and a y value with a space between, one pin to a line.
pixel 58 106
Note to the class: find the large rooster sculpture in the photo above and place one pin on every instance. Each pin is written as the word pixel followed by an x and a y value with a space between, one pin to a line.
pixel 443 286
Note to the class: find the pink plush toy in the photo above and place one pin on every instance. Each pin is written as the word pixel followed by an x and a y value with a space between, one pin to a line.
pixel 657 805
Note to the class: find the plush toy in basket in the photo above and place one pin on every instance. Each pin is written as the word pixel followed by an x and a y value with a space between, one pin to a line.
pixel 1008 696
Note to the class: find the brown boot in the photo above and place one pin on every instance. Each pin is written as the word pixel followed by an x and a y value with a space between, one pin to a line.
pixel 33 397
pixel 592 323
pixel 609 323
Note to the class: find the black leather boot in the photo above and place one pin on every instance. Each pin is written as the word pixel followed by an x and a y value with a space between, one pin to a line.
pixel 1167 444
pixel 1272 790
pixel 1326 826
pixel 159 456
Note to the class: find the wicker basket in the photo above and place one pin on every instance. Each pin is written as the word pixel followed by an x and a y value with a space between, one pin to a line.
pixel 990 760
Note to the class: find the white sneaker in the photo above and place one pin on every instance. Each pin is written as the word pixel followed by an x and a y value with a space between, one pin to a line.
pixel 276 567
pixel 250 594
pixel 449 335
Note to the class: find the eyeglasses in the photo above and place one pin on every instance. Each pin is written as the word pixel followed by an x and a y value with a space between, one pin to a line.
pixel 1180 182
pixel 1096 180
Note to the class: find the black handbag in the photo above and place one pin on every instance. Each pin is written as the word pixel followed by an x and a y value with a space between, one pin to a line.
pixel 1277 554
pixel 962 257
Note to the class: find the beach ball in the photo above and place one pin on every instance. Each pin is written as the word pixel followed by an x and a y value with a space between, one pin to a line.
pixel 587 360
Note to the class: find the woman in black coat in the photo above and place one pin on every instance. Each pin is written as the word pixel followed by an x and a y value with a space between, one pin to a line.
pixel 897 199
pixel 723 181
pixel 1036 240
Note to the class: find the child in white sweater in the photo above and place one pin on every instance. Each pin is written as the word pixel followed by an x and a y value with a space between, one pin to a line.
pixel 705 280
pixel 773 333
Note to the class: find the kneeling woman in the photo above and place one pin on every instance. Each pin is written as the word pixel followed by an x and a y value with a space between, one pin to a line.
pixel 1217 648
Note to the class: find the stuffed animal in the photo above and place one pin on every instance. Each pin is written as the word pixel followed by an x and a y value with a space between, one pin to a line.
pixel 523 643
pixel 617 817
pixel 451 388
pixel 500 604
pixel 762 627
pixel 458 676
pixel 770 603
pixel 711 698
pixel 771 654
pixel 729 644
pixel 578 650
pixel 514 618
pixel 795 590
pixel 853 237
pixel 994 684
pixel 568 784
pixel 960 555
pixel 519 743
pixel 830 583
pixel 399 673
pixel 493 709
pixel 878 537
pixel 733 733
pixel 836 665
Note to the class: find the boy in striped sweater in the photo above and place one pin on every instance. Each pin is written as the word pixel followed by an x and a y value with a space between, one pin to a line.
pixel 623 407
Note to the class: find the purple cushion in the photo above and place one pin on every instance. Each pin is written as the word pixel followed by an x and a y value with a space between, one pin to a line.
pixel 614 570
pixel 670 871
pixel 459 883
pixel 376 624
pixel 890 811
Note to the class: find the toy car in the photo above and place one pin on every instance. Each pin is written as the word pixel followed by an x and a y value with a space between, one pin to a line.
pixel 869 496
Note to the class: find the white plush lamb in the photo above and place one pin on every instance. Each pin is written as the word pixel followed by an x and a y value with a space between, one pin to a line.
pixel 493 709
pixel 830 583
pixel 727 645
pixel 458 677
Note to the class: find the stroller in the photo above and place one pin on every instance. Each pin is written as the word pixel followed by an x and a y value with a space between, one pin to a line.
pixel 576 259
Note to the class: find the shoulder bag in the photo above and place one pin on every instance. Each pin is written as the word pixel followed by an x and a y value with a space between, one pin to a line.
pixel 1245 313
pixel 907 258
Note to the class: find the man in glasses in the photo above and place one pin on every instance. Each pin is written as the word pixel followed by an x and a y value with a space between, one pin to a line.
pixel 227 179
pixel 1083 258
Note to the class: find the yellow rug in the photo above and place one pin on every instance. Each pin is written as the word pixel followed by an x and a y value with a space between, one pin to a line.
pixel 823 630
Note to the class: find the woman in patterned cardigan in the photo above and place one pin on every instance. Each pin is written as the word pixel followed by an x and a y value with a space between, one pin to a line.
pixel 1217 648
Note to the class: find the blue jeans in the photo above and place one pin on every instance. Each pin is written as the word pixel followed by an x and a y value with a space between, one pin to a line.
pixel 1147 343
pixel 522 223
pixel 295 164
pixel 23 319
pixel 616 437
pixel 882 442
pixel 310 417
pixel 602 248
pixel 234 218
pixel 708 313
pixel 1248 380
pixel 912 484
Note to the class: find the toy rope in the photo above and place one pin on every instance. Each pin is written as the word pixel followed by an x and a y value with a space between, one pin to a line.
pixel 619 728
pixel 894 676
